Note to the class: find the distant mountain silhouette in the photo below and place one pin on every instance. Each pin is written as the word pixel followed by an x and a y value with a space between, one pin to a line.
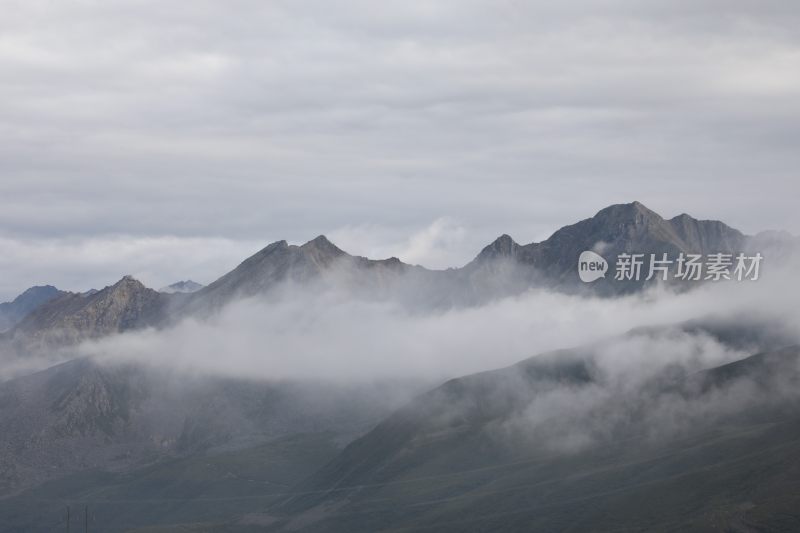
pixel 11 313
pixel 282 264
pixel 623 228
pixel 184 287
pixel 502 268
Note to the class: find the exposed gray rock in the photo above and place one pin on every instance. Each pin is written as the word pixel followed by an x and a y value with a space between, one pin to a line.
pixel 73 317
pixel 622 228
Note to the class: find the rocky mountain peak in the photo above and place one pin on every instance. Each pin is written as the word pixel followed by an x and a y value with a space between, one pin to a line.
pixel 277 245
pixel 126 288
pixel 73 317
pixel 37 289
pixel 323 245
pixel 634 212
pixel 503 246
pixel 182 287
pixel 129 281
pixel 321 251
pixel 616 229
pixel 502 267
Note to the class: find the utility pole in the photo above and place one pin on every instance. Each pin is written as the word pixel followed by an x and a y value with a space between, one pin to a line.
pixel 67 518
pixel 86 519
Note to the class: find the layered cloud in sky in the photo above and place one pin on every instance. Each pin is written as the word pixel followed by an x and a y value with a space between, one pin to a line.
pixel 251 121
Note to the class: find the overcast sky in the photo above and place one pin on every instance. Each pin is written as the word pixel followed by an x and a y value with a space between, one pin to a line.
pixel 170 140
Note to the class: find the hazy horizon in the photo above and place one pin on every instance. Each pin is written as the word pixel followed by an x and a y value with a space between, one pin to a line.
pixel 438 246
pixel 137 135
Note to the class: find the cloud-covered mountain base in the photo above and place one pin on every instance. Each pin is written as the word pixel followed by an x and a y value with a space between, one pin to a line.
pixel 289 400
pixel 549 445
pixel 568 440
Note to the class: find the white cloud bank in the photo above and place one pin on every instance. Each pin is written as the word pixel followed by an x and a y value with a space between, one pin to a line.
pixel 332 336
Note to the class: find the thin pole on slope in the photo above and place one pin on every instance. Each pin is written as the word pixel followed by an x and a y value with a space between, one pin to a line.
pixel 67 518
pixel 86 519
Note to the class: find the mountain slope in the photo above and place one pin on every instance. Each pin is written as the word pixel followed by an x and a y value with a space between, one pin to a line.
pixel 503 268
pixel 316 263
pixel 11 313
pixel 88 416
pixel 622 228
pixel 198 488
pixel 73 317
pixel 539 446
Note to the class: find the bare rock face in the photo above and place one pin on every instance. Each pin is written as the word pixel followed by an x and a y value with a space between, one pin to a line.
pixel 73 317
pixel 622 228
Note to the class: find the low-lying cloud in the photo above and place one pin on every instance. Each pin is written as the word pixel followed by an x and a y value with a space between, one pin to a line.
pixel 329 334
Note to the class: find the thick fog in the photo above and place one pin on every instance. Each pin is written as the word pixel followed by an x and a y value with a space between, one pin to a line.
pixel 650 388
pixel 329 334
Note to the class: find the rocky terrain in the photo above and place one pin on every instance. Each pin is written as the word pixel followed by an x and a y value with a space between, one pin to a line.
pixel 73 317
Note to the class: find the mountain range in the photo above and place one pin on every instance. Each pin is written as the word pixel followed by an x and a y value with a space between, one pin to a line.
pixel 568 440
pixel 502 268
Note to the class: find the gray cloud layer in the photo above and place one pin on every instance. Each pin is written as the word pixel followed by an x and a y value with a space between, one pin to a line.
pixel 251 121
pixel 330 334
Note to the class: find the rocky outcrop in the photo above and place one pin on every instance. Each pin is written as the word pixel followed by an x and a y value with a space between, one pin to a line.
pixel 73 317
pixel 622 228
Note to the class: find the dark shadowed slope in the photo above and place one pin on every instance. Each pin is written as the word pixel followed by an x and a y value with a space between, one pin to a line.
pixel 184 287
pixel 11 313
pixel 197 488
pixel 543 446
pixel 82 415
